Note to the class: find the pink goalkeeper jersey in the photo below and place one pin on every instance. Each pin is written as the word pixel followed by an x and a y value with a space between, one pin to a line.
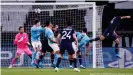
pixel 23 43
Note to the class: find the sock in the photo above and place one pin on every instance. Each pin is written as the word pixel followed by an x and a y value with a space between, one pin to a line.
pixel 52 58
pixel 55 59
pixel 116 48
pixel 75 62
pixel 40 59
pixel 95 39
pixel 70 61
pixel 30 56
pixel 33 56
pixel 13 60
pixel 58 62
pixel 80 59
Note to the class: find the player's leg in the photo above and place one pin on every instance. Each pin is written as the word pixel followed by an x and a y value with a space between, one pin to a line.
pixel 80 59
pixel 34 45
pixel 43 51
pixel 70 61
pixel 40 60
pixel 72 53
pixel 52 58
pixel 28 52
pixel 116 39
pixel 61 52
pixel 18 53
pixel 37 47
pixel 56 50
pixel 59 57
pixel 102 37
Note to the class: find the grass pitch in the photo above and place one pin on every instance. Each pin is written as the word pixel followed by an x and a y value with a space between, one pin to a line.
pixel 34 71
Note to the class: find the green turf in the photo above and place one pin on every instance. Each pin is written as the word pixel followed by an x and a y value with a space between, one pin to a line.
pixel 33 71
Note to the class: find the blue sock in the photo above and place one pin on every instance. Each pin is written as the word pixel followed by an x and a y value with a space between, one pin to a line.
pixel 55 59
pixel 33 56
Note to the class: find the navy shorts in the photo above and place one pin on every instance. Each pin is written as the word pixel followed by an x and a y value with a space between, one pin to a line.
pixel 110 32
pixel 46 47
pixel 113 36
pixel 66 46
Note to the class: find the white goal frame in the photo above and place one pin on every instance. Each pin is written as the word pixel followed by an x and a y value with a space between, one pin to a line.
pixel 71 3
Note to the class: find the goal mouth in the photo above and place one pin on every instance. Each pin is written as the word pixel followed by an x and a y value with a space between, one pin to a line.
pixel 83 14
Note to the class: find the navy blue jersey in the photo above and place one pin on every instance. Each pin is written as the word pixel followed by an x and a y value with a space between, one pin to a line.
pixel 67 34
pixel 113 25
pixel 114 22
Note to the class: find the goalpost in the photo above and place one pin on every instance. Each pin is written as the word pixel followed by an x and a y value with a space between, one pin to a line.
pixel 83 14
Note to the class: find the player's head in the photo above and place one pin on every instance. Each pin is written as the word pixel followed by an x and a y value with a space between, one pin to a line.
pixel 69 24
pixel 55 28
pixel 84 30
pixel 21 29
pixel 37 22
pixel 49 24
pixel 125 17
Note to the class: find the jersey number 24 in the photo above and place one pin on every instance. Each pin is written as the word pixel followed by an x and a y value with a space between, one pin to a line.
pixel 66 35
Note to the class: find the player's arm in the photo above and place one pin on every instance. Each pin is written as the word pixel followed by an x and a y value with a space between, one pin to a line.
pixel 27 39
pixel 16 40
pixel 123 17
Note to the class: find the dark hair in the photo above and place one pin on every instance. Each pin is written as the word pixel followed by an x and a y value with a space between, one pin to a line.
pixel 20 27
pixel 47 23
pixel 69 23
pixel 36 21
pixel 85 30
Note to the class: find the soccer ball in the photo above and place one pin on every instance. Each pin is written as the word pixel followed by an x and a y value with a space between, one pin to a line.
pixel 37 10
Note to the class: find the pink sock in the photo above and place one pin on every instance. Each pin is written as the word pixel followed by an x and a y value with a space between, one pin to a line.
pixel 13 61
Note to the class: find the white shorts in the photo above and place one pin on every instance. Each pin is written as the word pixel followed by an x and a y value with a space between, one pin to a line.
pixel 75 48
pixel 36 44
pixel 54 46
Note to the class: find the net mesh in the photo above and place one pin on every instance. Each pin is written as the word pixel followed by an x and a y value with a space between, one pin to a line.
pixel 80 15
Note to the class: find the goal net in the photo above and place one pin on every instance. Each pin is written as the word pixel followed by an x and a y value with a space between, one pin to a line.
pixel 81 15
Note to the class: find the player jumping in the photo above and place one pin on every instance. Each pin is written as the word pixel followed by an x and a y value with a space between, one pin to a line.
pixel 110 31
pixel 67 35
pixel 36 30
pixel 83 39
pixel 22 41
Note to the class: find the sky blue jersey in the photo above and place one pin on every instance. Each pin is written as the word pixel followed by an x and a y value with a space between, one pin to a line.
pixel 35 33
pixel 83 39
pixel 49 34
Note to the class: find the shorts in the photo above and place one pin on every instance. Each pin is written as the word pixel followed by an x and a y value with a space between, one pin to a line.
pixel 24 50
pixel 112 36
pixel 46 47
pixel 54 46
pixel 67 46
pixel 109 32
pixel 36 44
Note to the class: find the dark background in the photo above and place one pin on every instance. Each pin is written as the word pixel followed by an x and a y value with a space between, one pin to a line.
pixel 125 29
